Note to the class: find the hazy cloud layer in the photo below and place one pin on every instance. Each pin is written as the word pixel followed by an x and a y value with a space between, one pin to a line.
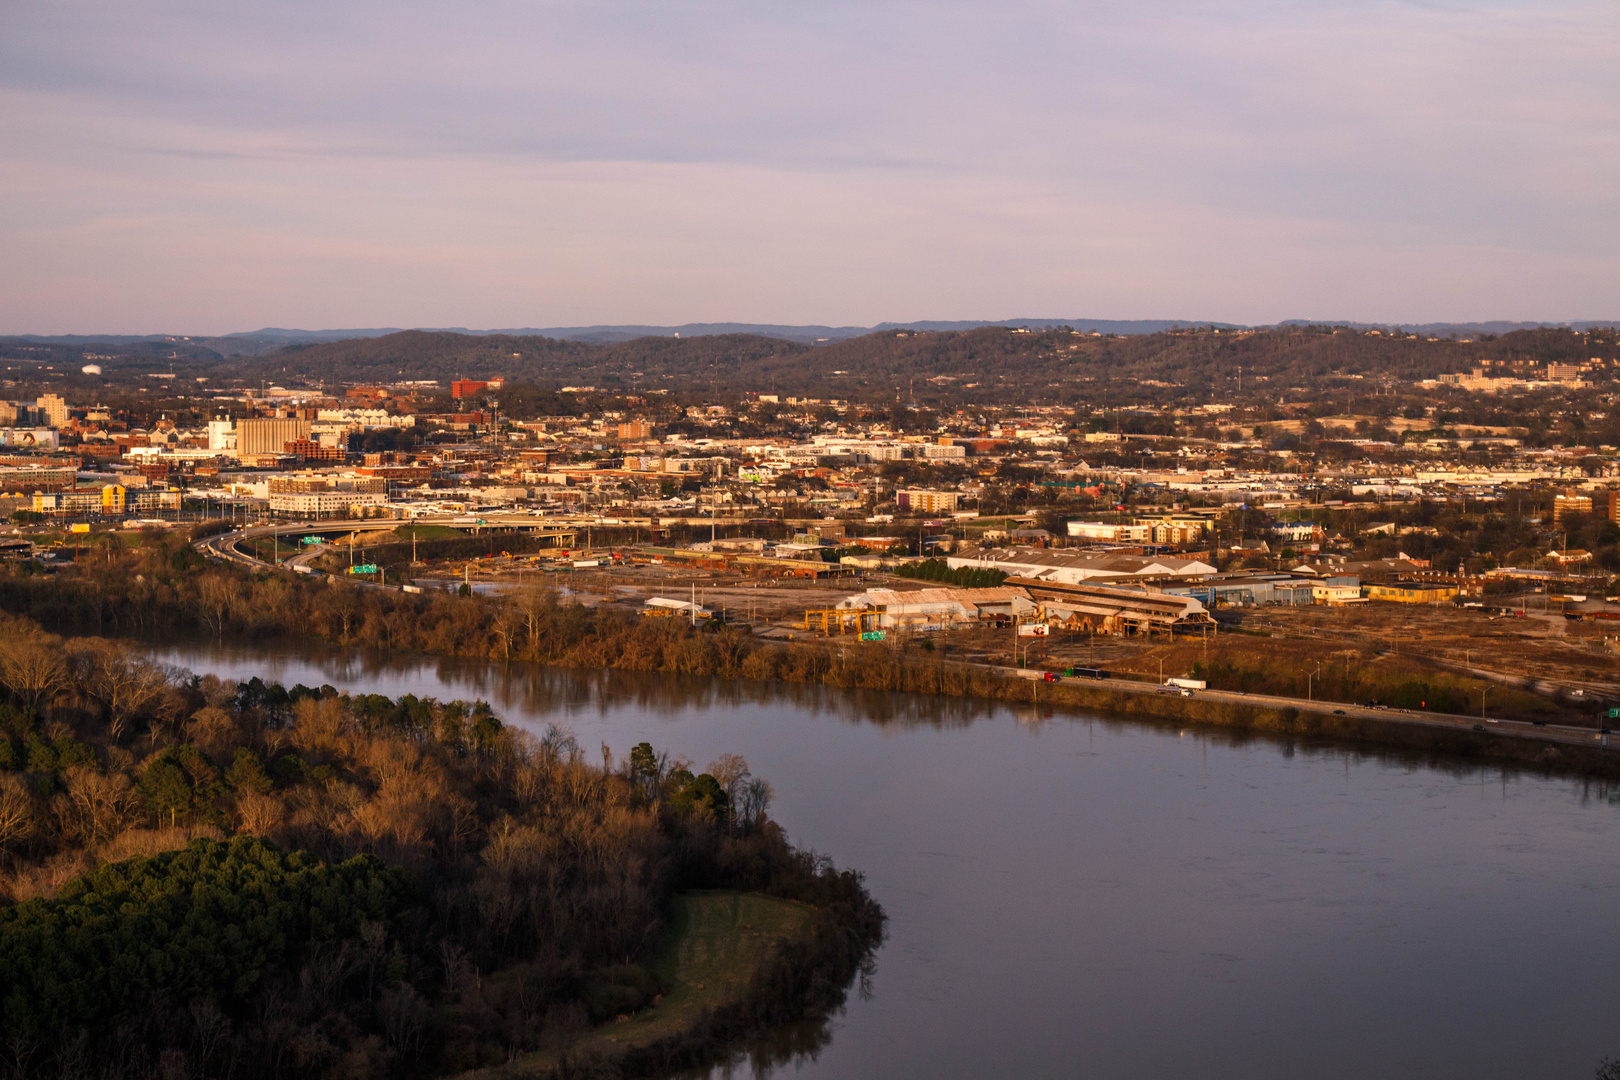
pixel 220 166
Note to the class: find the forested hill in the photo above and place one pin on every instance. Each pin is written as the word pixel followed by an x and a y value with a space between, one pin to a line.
pixel 989 364
pixel 987 359
pixel 436 355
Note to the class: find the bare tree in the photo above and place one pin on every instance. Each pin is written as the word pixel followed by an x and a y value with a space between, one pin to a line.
pixel 98 804
pixel 343 603
pixel 756 799
pixel 532 607
pixel 33 667
pixel 216 595
pixel 505 627
pixel 259 814
pixel 124 684
pixel 16 812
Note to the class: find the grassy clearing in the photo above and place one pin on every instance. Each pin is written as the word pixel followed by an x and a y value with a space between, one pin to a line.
pixel 428 532
pixel 128 537
pixel 715 942
pixel 1338 672
pixel 269 549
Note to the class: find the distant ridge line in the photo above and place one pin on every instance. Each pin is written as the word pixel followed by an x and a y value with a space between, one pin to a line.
pixel 270 338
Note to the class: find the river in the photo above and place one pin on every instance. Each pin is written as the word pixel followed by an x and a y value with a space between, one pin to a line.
pixel 1077 897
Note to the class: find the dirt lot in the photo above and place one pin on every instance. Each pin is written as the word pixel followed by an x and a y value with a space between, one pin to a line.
pixel 1533 664
pixel 742 597
pixel 1535 645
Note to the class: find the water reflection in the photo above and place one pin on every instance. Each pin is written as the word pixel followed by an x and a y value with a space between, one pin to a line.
pixel 1076 896
pixel 519 688
pixel 532 694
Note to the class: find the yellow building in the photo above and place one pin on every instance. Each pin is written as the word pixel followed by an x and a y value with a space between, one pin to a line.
pixel 67 502
pixel 1411 592
pixel 1571 503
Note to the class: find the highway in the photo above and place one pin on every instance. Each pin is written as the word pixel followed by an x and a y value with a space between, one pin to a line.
pixel 223 547
pixel 1521 729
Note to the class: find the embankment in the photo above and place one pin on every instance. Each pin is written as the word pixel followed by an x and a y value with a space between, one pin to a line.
pixel 165 586
pixel 1431 743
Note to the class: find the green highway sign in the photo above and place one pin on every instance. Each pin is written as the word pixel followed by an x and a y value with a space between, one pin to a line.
pixel 1614 714
pixel 364 568
pixel 874 635
pixel 310 540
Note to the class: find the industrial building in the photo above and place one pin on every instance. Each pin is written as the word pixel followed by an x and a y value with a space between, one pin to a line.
pixel 1074 567
pixel 1266 590
pixel 1412 592
pixel 1113 609
pixel 940 608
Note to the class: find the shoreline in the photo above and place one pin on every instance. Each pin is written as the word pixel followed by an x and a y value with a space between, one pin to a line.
pixel 544 632
pixel 1432 735
pixel 800 978
pixel 1494 746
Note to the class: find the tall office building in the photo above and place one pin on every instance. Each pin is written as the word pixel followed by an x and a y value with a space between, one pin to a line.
pixel 255 437
pixel 53 409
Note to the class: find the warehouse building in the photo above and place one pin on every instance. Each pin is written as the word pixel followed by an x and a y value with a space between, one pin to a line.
pixel 1412 592
pixel 941 608
pixel 1074 567
pixel 1116 609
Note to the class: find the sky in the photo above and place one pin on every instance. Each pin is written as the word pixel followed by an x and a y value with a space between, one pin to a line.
pixel 205 167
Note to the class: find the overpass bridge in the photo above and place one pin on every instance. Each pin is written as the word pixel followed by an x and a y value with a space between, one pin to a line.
pixel 224 546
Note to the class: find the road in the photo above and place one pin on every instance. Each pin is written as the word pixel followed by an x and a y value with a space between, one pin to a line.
pixel 1521 729
pixel 223 547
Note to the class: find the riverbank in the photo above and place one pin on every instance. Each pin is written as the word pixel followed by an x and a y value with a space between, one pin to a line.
pixel 1058 882
pixel 733 963
pixel 506 888
pixel 1390 732
pixel 162 590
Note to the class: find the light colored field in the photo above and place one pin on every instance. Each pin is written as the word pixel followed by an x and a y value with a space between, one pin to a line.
pixel 715 942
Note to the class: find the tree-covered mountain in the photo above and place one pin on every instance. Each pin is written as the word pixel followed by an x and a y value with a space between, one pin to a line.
pixel 988 364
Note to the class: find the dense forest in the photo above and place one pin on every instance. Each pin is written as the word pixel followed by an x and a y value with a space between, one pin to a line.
pixel 876 366
pixel 208 878
pixel 940 368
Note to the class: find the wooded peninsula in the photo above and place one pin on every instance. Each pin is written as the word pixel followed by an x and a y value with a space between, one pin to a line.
pixel 211 879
